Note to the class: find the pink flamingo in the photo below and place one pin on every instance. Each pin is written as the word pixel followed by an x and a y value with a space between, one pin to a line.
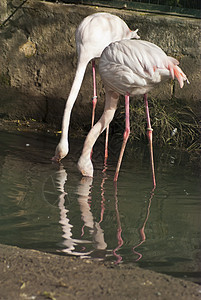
pixel 93 34
pixel 128 67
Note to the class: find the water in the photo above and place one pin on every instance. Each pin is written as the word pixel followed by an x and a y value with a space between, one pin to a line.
pixel 50 207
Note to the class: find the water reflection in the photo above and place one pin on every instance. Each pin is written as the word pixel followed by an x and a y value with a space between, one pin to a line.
pixel 69 242
pixel 94 245
pixel 96 233
pixel 142 229
pixel 119 229
pixel 50 208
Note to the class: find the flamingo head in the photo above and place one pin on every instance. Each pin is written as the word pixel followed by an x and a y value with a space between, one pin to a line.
pixel 85 166
pixel 60 152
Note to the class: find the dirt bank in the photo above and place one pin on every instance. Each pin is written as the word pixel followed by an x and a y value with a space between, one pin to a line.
pixel 38 59
pixel 30 274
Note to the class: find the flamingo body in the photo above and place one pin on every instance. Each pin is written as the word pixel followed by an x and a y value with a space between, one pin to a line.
pixel 97 31
pixel 93 34
pixel 135 67
pixel 128 67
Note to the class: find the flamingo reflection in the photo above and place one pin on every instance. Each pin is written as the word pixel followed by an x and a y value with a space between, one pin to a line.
pixel 69 243
pixel 119 229
pixel 83 191
pixel 94 244
pixel 142 230
pixel 103 190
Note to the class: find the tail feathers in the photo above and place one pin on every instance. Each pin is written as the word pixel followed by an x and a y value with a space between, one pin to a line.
pixel 134 34
pixel 181 77
pixel 179 74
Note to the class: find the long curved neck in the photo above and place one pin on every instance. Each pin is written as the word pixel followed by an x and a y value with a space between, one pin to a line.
pixel 79 75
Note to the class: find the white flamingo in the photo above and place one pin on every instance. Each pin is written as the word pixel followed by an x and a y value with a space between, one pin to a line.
pixel 93 34
pixel 129 68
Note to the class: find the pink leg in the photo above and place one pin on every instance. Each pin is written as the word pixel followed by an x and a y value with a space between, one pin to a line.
pixel 94 101
pixel 149 134
pixel 125 139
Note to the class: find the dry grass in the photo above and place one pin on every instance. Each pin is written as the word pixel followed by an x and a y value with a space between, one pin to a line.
pixel 174 123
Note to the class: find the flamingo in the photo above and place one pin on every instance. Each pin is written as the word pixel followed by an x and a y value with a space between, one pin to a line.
pixel 129 68
pixel 93 34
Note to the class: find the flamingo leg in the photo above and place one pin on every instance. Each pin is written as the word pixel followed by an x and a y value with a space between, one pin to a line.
pixel 149 134
pixel 125 138
pixel 94 102
pixel 85 164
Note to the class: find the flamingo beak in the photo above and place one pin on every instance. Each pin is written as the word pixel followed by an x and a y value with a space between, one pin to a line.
pixel 56 158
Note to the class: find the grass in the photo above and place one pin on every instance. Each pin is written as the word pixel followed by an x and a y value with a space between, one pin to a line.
pixel 173 121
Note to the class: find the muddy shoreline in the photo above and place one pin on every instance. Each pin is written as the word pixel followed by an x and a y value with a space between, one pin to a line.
pixel 30 274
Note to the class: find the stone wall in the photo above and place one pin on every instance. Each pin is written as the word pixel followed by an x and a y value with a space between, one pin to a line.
pixel 38 59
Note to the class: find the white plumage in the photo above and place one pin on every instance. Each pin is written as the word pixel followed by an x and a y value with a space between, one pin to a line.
pixel 129 67
pixel 97 31
pixel 135 66
pixel 93 34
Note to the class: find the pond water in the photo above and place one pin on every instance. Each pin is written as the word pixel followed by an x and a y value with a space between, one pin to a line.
pixel 50 207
